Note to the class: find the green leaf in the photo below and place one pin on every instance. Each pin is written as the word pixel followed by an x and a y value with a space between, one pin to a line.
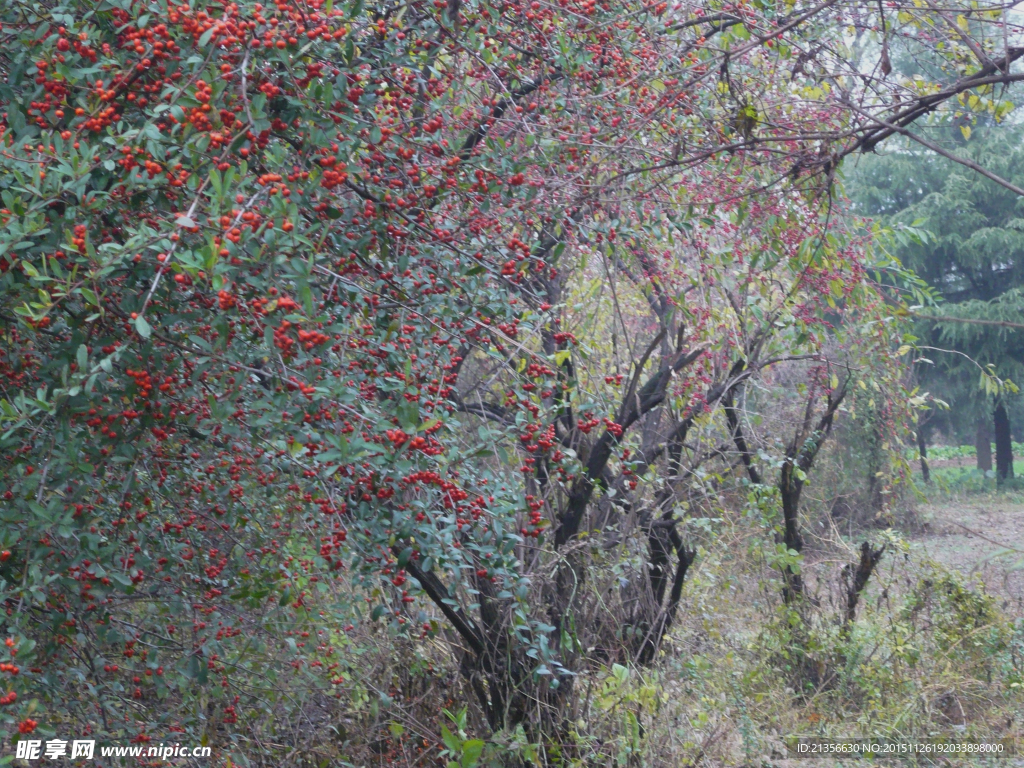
pixel 89 296
pixel 205 39
pixel 142 327
pixel 471 751
pixel 215 181
pixel 403 558
pixel 453 742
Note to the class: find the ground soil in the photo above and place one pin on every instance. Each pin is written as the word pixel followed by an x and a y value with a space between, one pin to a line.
pixel 981 536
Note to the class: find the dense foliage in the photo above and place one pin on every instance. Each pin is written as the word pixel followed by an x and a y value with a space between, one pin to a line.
pixel 325 313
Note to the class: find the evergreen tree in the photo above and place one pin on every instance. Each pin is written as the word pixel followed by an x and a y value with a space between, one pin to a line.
pixel 974 259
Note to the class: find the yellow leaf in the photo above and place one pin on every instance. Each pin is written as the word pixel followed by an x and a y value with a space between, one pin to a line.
pixel 966 131
pixel 903 350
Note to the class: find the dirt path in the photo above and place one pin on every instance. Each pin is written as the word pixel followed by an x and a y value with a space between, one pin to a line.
pixel 976 534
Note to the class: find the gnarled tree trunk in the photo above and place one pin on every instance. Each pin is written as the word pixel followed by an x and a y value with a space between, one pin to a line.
pixel 857 579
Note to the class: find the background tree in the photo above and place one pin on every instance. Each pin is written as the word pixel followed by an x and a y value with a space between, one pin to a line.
pixel 974 260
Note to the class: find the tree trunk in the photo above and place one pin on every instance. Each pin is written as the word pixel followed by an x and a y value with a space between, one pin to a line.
pixel 1004 444
pixel 983 444
pixel 857 579
pixel 789 489
pixel 922 448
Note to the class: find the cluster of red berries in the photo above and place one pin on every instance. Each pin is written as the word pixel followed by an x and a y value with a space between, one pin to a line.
pixel 533 527
pixel 308 390
pixel 310 339
pixel 611 426
pixel 79 238
pixel 142 381
pixel 282 340
pixel 587 423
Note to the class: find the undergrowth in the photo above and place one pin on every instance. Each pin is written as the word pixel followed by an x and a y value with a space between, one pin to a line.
pixel 929 655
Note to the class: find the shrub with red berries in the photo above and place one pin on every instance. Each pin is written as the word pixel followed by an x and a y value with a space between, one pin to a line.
pixel 294 302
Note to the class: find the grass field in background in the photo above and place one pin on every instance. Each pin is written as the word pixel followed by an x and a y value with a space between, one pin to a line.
pixel 964 451
pixel 966 478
